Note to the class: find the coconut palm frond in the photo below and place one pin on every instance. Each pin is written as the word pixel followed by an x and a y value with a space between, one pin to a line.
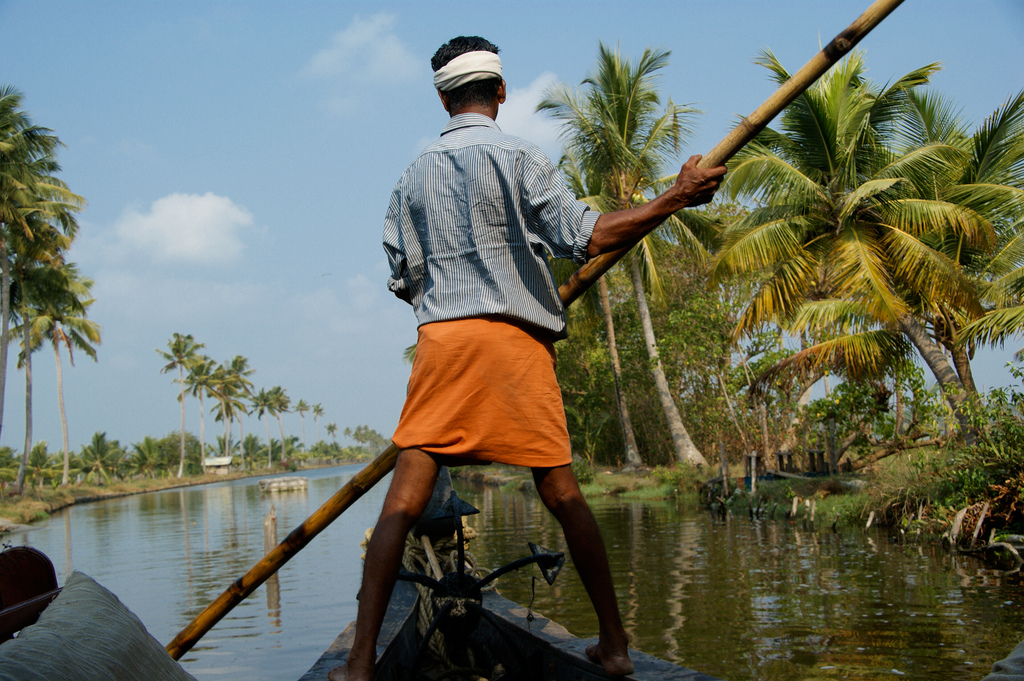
pixel 831 317
pixel 928 273
pixel 998 150
pixel 999 201
pixel 762 175
pixel 760 240
pixel 929 119
pixel 855 200
pixel 995 327
pixel 860 272
pixel 780 296
pixel 855 356
pixel 943 219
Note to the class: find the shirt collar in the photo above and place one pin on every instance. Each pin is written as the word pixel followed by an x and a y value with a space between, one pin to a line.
pixel 468 120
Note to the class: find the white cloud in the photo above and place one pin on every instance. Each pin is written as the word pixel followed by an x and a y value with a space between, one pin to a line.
pixel 365 51
pixel 518 116
pixel 186 228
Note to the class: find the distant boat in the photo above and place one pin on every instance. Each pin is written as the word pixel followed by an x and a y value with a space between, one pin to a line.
pixel 216 461
pixel 283 484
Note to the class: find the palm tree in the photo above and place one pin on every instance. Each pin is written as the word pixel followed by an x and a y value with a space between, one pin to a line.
pixel 60 317
pixel 101 457
pixel 616 131
pixel 31 281
pixel 249 447
pixel 280 403
pixel 263 403
pixel 200 381
pixel 145 457
pixel 25 362
pixel 318 412
pixel 182 353
pixel 332 430
pixel 994 164
pixel 301 408
pixel 229 385
pixel 31 197
pixel 871 214
pixel 243 386
pixel 41 464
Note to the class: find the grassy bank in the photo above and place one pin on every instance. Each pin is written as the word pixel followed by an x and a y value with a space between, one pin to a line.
pixel 38 503
pixel 902 492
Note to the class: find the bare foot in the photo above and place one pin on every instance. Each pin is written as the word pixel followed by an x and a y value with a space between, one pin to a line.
pixel 615 662
pixel 350 673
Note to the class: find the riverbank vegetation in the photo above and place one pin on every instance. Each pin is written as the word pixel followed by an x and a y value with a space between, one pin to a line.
pixel 105 468
pixel 827 318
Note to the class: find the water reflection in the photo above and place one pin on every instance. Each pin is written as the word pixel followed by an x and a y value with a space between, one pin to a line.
pixel 738 599
pixel 773 600
pixel 168 554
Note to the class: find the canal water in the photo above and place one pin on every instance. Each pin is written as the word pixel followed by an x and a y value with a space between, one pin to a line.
pixel 738 599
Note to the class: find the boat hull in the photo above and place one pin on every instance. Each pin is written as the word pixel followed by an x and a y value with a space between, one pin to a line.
pixel 528 648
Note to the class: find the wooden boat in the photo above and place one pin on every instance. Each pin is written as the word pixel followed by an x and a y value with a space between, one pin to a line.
pixel 283 484
pixel 484 636
pixel 513 645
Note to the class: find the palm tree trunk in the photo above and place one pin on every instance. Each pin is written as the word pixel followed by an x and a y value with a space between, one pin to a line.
pixel 5 320
pixel 19 483
pixel 962 362
pixel 632 453
pixel 181 398
pixel 65 478
pixel 686 451
pixel 227 434
pixel 280 423
pixel 270 445
pixel 948 379
pixel 202 432
pixel 241 439
pixel 789 439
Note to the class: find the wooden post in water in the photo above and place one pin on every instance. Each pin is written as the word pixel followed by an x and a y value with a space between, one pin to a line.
pixel 724 466
pixel 753 473
pixel 579 282
pixel 833 460
pixel 270 530
pixel 273 582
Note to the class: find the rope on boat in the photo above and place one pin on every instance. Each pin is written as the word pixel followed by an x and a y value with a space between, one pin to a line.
pixel 436 559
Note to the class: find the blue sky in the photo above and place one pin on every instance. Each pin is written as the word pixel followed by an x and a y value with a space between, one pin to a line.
pixel 237 159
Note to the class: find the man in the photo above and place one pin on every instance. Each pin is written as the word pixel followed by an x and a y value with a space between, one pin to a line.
pixel 467 235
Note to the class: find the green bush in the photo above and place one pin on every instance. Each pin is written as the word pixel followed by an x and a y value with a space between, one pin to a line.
pixel 583 470
pixel 683 478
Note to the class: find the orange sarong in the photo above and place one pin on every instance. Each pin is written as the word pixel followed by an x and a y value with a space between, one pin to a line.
pixel 484 390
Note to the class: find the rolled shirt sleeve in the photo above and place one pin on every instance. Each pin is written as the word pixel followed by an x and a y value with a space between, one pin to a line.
pixel 398 282
pixel 564 223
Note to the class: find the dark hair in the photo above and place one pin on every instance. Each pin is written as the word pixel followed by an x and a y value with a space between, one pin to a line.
pixel 477 92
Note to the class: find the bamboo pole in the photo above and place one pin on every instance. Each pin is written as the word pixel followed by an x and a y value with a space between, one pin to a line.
pixel 579 282
pixel 748 129
pixel 292 544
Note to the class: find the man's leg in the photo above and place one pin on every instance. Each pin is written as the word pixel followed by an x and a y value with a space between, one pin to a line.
pixel 560 492
pixel 411 487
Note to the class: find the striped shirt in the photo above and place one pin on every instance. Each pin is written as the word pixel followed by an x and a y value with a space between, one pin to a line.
pixel 470 223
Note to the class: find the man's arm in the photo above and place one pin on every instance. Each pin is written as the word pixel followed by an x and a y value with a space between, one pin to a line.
pixel 398 282
pixel 694 186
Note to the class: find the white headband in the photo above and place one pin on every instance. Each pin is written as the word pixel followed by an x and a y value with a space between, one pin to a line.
pixel 466 68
